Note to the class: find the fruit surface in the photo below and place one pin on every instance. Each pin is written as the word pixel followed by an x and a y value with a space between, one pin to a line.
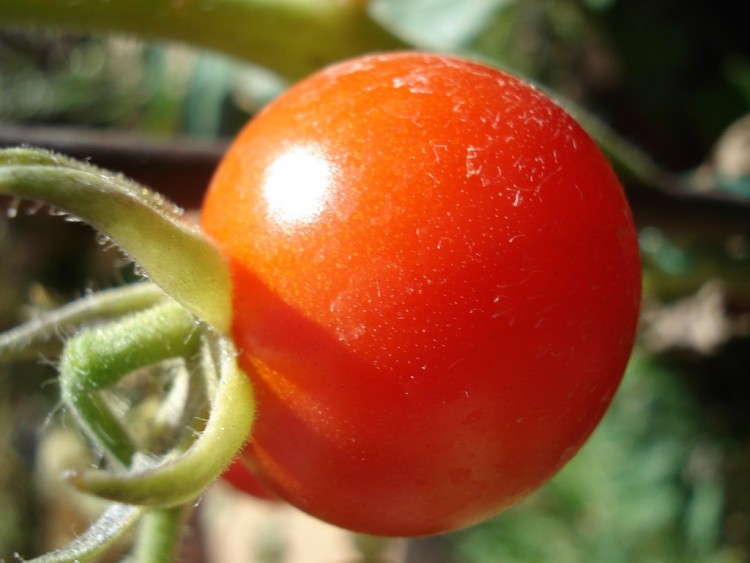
pixel 436 290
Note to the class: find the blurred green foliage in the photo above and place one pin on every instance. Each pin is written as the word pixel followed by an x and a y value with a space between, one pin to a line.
pixel 647 487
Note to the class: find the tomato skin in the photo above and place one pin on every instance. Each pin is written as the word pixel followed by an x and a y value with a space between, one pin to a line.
pixel 240 476
pixel 437 287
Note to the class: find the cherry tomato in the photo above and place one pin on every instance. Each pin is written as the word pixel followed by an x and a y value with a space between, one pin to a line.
pixel 240 476
pixel 436 290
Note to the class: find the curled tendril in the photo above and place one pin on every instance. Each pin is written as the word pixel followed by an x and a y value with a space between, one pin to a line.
pixel 181 476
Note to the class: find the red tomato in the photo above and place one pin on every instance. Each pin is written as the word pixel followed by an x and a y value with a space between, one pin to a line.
pixel 240 476
pixel 436 289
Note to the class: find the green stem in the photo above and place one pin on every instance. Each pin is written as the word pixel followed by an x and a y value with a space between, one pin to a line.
pixel 183 413
pixel 159 534
pixel 94 416
pixel 291 37
pixel 182 478
pixel 42 334
pixel 100 537
pixel 99 357
pixel 173 252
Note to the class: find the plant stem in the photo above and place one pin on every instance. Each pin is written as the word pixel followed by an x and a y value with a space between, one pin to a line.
pixel 173 252
pixel 98 358
pixel 42 333
pixel 159 535
pixel 291 37
pixel 115 522
pixel 177 480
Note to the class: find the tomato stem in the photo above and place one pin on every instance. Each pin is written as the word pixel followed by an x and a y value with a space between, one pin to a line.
pixel 173 252
pixel 159 534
